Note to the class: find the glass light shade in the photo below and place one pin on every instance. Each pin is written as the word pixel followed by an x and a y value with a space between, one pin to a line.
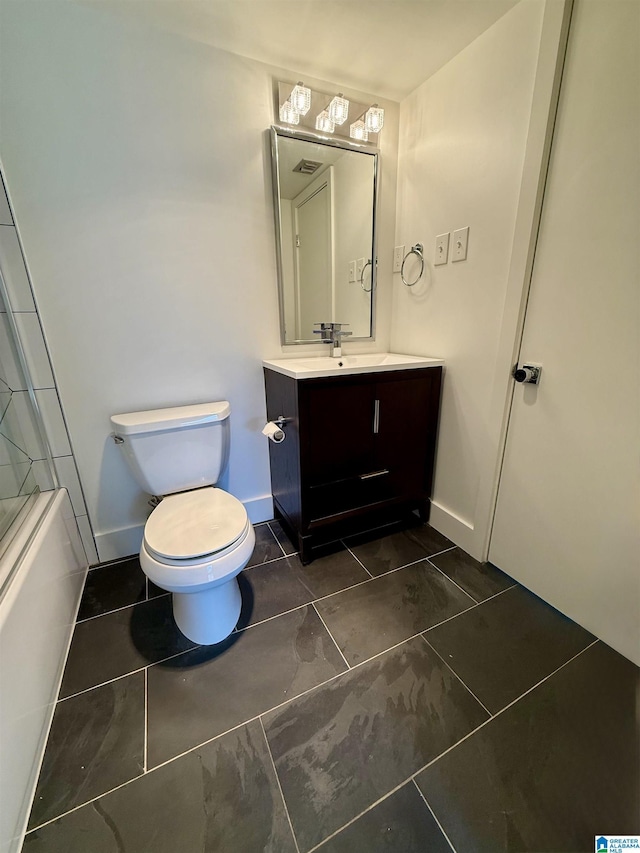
pixel 288 114
pixel 301 99
pixel 358 131
pixel 324 122
pixel 374 119
pixel 339 109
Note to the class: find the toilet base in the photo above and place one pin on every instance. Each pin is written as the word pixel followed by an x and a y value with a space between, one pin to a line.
pixel 208 616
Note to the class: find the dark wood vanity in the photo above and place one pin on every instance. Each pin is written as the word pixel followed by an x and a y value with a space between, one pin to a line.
pixel 358 448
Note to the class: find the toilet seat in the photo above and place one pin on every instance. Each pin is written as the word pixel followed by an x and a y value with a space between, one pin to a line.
pixel 190 527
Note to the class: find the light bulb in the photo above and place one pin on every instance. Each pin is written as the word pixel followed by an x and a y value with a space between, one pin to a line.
pixel 288 114
pixel 339 109
pixel 324 122
pixel 301 99
pixel 374 119
pixel 358 131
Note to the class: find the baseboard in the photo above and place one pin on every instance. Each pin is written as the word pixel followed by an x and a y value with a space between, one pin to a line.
pixel 457 529
pixel 114 544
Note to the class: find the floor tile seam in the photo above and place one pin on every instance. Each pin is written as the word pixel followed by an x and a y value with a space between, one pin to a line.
pixel 118 609
pixel 501 711
pixel 375 577
pixel 452 670
pixel 146 717
pixel 110 563
pixel 472 607
pixel 451 580
pixel 266 562
pixel 275 771
pixel 335 642
pixel 355 557
pixel 276 538
pixel 82 805
pixel 126 674
pixel 433 815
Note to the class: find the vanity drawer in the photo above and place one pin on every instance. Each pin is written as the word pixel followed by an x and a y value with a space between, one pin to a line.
pixel 342 496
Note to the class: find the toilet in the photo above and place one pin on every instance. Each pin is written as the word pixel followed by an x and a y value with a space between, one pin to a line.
pixel 199 538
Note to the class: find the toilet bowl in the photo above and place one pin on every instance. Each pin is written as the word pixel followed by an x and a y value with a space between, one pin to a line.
pixel 195 544
pixel 199 537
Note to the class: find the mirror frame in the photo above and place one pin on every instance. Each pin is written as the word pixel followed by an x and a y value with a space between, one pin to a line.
pixel 334 142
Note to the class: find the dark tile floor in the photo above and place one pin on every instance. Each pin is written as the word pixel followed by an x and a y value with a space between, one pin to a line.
pixel 394 695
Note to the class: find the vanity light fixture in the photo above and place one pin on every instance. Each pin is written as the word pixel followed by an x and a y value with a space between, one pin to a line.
pixel 300 99
pixel 325 123
pixel 359 131
pixel 339 109
pixel 288 114
pixel 374 119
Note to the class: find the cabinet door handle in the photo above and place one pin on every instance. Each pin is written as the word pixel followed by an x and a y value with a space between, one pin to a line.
pixel 376 416
pixel 374 474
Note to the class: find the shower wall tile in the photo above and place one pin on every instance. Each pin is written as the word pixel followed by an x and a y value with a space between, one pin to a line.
pixel 35 350
pixel 11 431
pixel 5 213
pixel 14 272
pixel 87 539
pixel 12 372
pixel 68 476
pixel 53 421
pixel 42 475
pixel 23 411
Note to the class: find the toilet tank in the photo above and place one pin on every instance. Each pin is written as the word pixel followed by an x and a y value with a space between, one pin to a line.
pixel 172 450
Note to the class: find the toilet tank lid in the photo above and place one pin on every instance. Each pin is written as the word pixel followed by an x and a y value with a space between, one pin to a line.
pixel 155 420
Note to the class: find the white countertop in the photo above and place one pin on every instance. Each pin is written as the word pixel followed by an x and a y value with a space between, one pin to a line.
pixel 375 362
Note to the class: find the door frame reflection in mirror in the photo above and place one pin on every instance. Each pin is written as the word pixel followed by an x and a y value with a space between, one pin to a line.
pixel 368 288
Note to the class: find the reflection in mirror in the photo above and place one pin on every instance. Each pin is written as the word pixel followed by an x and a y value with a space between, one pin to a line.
pixel 325 209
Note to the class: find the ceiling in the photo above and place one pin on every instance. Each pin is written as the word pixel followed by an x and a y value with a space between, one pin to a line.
pixel 384 47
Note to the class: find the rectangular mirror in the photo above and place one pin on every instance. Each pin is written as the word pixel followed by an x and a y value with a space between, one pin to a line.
pixel 325 201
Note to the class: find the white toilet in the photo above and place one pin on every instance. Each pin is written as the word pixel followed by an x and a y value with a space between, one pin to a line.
pixel 199 538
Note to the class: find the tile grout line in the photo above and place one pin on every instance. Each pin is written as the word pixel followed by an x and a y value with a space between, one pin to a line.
pixel 331 635
pixel 433 814
pixel 146 716
pixel 444 575
pixel 452 670
pixel 355 557
pixel 284 802
pixel 276 538
pixel 502 710
pixel 471 607
pixel 118 609
pixel 126 674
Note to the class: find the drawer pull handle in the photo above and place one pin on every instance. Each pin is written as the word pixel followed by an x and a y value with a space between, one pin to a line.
pixel 374 474
pixel 376 416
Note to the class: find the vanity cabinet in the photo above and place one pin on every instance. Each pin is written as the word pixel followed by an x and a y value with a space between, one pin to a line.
pixel 358 448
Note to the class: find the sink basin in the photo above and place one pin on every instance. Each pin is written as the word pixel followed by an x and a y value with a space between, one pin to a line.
pixel 375 362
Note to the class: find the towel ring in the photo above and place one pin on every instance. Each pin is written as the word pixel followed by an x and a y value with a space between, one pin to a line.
pixel 415 250
pixel 366 289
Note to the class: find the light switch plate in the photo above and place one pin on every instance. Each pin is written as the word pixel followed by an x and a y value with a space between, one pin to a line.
pixel 398 255
pixel 460 243
pixel 442 250
pixel 352 271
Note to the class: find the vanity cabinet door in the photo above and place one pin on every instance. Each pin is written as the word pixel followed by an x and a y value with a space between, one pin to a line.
pixel 337 439
pixel 405 441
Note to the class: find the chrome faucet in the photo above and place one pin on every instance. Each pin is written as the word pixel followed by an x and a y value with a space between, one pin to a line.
pixel 332 334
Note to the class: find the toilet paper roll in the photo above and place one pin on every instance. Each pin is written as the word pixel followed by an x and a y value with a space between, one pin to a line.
pixel 273 432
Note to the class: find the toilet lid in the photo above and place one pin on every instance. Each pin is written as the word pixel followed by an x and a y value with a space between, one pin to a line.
pixel 194 524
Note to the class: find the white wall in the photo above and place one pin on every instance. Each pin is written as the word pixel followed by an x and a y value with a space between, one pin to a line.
pixel 138 166
pixel 462 146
